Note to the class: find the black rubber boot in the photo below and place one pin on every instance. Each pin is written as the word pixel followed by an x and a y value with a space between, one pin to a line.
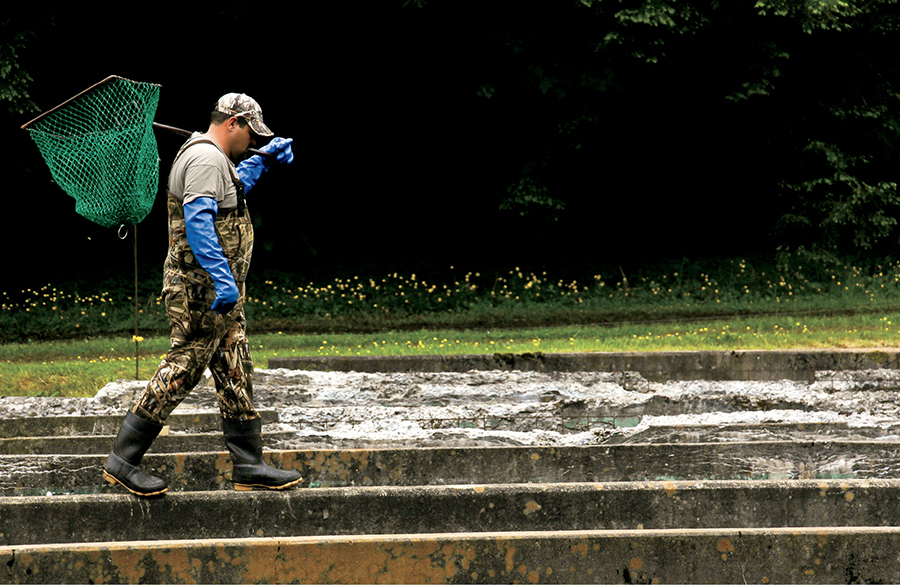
pixel 123 464
pixel 244 442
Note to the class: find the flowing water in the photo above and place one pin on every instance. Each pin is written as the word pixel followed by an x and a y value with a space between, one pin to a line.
pixel 844 424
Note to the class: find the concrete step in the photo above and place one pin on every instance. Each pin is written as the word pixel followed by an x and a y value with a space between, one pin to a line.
pixel 811 555
pixel 756 460
pixel 184 419
pixel 800 365
pixel 470 508
pixel 98 444
pixel 761 555
pixel 200 433
pixel 339 428
pixel 546 468
pixel 747 432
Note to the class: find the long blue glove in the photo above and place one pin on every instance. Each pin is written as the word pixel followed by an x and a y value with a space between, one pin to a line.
pixel 250 170
pixel 199 222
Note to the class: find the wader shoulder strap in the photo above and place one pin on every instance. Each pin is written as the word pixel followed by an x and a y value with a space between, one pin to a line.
pixel 238 185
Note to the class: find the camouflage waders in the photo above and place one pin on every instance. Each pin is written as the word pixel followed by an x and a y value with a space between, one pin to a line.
pixel 200 337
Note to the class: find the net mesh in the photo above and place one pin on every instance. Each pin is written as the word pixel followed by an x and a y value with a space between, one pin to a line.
pixel 101 150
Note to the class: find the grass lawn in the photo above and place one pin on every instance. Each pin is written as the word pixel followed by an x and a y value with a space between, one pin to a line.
pixel 81 367
pixel 740 307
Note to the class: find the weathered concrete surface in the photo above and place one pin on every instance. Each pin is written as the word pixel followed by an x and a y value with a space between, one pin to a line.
pixel 170 443
pixel 108 424
pixel 772 431
pixel 564 426
pixel 80 474
pixel 791 555
pixel 423 509
pixel 182 442
pixel 798 365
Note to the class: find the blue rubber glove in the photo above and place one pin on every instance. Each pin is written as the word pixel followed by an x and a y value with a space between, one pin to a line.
pixel 250 170
pixel 199 222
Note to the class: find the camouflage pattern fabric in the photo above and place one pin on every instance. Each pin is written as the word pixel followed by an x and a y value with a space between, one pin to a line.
pixel 200 337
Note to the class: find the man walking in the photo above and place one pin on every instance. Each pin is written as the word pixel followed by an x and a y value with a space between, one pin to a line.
pixel 210 244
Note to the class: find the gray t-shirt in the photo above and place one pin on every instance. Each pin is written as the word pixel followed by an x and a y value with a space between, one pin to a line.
pixel 203 170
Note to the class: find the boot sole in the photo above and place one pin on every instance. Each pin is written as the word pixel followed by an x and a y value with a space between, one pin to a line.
pixel 246 487
pixel 113 481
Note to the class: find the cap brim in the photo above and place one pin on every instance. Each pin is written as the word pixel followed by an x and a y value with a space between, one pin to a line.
pixel 259 128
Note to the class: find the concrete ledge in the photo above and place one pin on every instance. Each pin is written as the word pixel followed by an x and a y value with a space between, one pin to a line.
pixel 80 425
pixel 798 365
pixel 424 509
pixel 213 442
pixel 173 443
pixel 790 555
pixel 38 474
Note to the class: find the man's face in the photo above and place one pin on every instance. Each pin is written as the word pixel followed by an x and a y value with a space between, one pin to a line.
pixel 242 139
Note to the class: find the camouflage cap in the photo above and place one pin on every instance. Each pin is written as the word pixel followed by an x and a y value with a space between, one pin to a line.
pixel 244 106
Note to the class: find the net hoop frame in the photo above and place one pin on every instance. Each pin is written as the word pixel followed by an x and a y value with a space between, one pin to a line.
pixel 27 125
pixel 109 79
pixel 101 150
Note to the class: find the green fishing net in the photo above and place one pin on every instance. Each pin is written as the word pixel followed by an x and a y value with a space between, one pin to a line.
pixel 101 149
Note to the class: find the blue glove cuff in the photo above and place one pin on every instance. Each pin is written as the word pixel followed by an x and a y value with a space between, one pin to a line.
pixel 250 170
pixel 200 229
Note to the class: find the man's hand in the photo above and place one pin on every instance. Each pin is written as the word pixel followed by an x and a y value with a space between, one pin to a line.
pixel 226 297
pixel 282 148
pixel 250 170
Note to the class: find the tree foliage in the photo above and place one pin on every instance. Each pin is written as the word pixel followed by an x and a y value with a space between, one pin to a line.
pixel 803 93
pixel 611 127
pixel 14 81
pixel 18 29
pixel 841 195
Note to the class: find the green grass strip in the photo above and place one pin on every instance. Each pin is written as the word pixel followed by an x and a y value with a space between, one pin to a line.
pixel 80 368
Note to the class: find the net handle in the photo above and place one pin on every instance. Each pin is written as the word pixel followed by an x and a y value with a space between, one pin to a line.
pixel 188 134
